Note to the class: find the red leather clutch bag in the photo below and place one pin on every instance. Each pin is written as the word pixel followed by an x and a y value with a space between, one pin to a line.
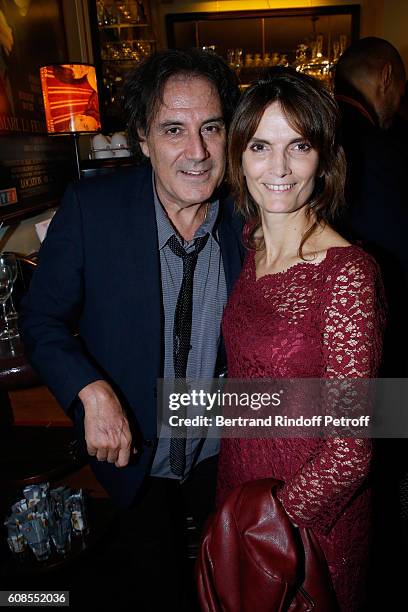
pixel 253 558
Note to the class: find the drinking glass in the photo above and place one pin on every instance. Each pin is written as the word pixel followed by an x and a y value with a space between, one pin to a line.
pixel 9 259
pixel 7 332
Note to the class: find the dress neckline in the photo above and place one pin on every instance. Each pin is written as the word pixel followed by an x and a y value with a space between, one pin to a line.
pixel 329 252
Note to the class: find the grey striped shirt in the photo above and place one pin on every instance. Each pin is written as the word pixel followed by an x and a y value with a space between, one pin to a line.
pixel 209 299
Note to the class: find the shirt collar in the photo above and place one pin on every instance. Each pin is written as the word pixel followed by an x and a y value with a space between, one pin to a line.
pixel 164 227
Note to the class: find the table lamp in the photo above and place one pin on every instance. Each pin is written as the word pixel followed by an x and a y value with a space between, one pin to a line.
pixel 71 101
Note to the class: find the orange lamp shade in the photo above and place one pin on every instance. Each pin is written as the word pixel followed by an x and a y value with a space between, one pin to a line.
pixel 70 98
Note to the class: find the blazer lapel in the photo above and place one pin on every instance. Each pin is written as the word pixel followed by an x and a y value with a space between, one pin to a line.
pixel 232 249
pixel 146 267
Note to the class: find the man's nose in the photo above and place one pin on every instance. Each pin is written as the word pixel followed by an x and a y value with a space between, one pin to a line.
pixel 196 149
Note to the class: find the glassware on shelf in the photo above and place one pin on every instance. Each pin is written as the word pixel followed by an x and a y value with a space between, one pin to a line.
pixel 125 38
pixel 234 57
pixel 343 43
pixel 257 60
pixel 338 48
pixel 141 13
pixel 336 51
pixel 100 13
pixel 275 59
pixel 112 81
pixel 212 48
pixel 128 50
pixel 318 66
pixel 131 12
pixel 143 48
pixel 114 17
pixel 319 46
pixel 238 58
pixel 248 62
pixel 107 15
pixel 300 57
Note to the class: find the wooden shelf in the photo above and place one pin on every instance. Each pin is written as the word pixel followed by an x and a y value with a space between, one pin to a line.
pixel 124 25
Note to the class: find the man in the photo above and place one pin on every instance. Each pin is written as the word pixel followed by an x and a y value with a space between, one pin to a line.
pixel 119 257
pixel 369 84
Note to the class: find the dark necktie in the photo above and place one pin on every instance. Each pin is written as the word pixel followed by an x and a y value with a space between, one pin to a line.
pixel 182 337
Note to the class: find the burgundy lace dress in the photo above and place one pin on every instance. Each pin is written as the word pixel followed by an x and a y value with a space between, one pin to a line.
pixel 320 320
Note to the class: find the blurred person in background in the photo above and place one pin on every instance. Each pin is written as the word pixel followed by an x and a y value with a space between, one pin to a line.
pixel 369 85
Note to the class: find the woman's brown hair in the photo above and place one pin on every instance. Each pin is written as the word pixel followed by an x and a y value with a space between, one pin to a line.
pixel 311 110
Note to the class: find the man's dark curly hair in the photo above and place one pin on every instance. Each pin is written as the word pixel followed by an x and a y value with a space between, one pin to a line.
pixel 143 90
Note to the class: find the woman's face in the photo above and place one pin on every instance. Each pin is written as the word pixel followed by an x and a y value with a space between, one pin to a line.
pixel 279 165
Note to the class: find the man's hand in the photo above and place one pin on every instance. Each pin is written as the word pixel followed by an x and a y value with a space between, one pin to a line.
pixel 107 431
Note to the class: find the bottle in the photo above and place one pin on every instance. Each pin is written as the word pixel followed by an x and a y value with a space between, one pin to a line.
pixel 275 59
pixel 248 60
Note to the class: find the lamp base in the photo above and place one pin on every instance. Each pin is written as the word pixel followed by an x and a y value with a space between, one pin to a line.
pixel 77 155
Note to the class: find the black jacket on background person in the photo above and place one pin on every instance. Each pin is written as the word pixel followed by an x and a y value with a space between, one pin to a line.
pixel 377 215
pixel 99 270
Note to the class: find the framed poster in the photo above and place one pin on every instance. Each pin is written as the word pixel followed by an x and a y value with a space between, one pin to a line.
pixel 34 167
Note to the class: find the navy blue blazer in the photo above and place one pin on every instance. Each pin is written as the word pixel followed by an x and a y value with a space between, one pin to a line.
pixel 99 271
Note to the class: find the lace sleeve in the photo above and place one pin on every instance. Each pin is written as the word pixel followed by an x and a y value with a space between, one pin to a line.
pixel 352 323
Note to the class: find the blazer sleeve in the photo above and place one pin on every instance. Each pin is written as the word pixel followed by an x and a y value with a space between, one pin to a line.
pixel 52 305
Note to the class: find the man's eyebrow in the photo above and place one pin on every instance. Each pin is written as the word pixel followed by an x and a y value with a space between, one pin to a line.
pixel 176 122
pixel 169 122
pixel 214 120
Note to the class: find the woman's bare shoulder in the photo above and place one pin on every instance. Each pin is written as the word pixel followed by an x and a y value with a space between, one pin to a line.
pixel 321 241
pixel 329 238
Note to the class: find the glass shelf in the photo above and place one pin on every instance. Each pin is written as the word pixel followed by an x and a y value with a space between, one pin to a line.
pixel 122 37
pixel 251 40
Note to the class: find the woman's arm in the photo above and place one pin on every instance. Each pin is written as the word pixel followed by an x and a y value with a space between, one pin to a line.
pixel 352 321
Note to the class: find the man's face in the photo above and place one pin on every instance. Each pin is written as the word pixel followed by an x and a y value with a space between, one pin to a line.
pixel 186 142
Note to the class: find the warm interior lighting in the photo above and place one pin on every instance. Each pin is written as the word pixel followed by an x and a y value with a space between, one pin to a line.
pixel 70 98
pixel 71 101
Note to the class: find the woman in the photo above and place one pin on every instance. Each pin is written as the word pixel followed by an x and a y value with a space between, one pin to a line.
pixel 307 304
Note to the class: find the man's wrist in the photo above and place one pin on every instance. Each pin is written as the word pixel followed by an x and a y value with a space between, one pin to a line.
pixel 98 389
